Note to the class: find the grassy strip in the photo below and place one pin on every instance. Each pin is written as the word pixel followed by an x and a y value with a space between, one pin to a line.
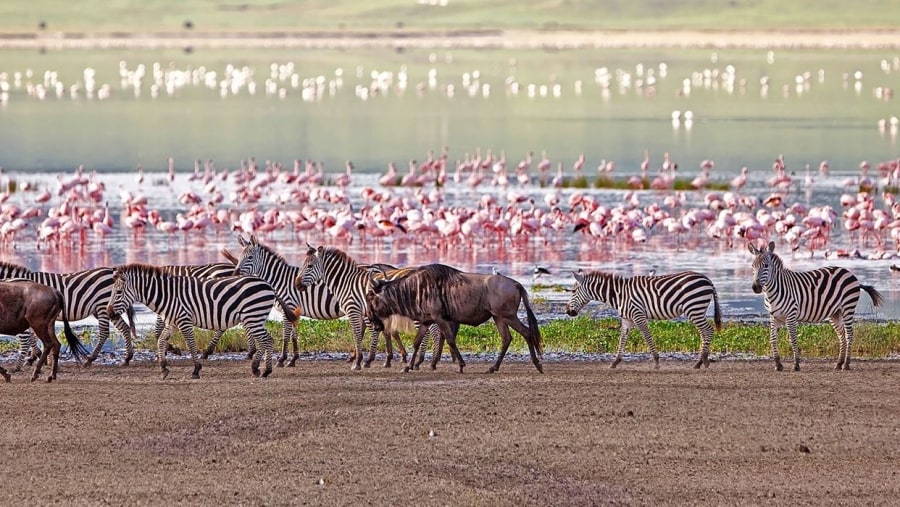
pixel 379 15
pixel 586 335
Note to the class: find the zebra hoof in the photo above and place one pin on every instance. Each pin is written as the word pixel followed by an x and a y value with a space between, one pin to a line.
pixel 292 364
pixel 491 370
pixel 796 367
pixel 779 367
pixel 267 372
pixel 89 361
pixel 6 377
pixel 49 379
pixel 367 364
pixel 405 369
pixel 280 363
pixel 254 368
pixel 164 373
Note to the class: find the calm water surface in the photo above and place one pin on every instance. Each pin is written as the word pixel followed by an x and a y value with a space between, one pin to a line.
pixel 373 107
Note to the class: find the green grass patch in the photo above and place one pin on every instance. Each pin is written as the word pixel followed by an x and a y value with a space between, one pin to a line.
pixel 587 335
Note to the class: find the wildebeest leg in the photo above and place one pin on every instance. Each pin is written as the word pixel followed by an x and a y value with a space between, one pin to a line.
pixel 506 339
pixel 47 338
pixel 448 333
pixel 54 349
pixel 400 348
pixel 417 342
pixel 438 347
pixel 389 346
pixel 523 330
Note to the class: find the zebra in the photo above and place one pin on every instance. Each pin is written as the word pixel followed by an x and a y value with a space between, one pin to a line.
pixel 86 293
pixel 792 297
pixel 349 281
pixel 316 302
pixel 640 298
pixel 185 302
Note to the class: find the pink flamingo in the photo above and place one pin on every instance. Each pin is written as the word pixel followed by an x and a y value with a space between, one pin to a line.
pixel 740 180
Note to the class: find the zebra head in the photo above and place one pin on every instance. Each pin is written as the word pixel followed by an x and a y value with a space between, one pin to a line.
pixel 580 295
pixel 123 293
pixel 251 260
pixel 312 271
pixel 763 260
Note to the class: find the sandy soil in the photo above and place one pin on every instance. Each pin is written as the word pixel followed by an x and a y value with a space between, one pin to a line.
pixel 738 433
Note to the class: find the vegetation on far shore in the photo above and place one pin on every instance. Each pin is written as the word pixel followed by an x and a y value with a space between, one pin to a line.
pixel 379 16
pixel 581 335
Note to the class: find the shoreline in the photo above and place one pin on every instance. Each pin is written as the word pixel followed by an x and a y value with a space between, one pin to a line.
pixel 461 39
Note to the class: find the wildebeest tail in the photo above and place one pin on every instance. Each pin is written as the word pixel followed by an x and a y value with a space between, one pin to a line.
pixel 78 349
pixel 877 298
pixel 534 331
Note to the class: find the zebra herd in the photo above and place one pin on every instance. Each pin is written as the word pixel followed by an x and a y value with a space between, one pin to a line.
pixel 330 284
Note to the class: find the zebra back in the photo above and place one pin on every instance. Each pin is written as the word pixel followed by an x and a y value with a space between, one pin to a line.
pixel 212 270
pixel 84 292
pixel 216 303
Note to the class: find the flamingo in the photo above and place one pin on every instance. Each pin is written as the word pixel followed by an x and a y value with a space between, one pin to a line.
pixel 740 180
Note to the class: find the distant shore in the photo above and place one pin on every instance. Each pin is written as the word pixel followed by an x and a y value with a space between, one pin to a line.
pixel 462 39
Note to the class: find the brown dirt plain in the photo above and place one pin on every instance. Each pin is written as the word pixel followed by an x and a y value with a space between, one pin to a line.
pixel 738 433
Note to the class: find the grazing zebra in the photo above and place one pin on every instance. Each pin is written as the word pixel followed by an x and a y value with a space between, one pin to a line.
pixel 317 302
pixel 185 302
pixel 792 297
pixel 348 281
pixel 86 293
pixel 640 298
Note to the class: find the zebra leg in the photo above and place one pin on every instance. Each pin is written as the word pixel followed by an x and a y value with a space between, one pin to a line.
pixel 645 330
pixel 4 374
pixel 294 344
pixel 624 328
pixel 773 340
pixel 102 334
pixel 162 345
pixel 129 339
pixel 792 332
pixel 706 333
pixel 848 336
pixel 187 331
pixel 26 346
pixel 437 345
pixel 400 347
pixel 359 330
pixel 838 325
pixel 373 345
pixel 265 350
pixel 211 346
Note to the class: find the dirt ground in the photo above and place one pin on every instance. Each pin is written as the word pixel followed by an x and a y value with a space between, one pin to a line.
pixel 738 433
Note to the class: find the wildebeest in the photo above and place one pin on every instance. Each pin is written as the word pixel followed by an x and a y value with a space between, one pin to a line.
pixel 442 295
pixel 25 304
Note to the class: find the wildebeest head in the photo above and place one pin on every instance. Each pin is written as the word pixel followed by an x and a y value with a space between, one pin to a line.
pixel 377 306
pixel 764 259
pixel 579 296
pixel 312 271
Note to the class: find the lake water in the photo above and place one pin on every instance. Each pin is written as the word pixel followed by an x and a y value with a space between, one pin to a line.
pixel 374 107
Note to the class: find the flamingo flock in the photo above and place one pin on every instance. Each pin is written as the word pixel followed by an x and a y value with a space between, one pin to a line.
pixel 478 204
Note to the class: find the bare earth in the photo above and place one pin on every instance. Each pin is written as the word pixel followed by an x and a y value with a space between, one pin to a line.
pixel 738 433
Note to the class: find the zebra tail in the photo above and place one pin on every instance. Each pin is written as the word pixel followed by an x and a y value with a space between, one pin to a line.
pixel 717 311
pixel 534 332
pixel 877 298
pixel 291 316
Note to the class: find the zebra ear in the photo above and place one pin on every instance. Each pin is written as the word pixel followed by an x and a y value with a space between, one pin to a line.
pixel 253 240
pixel 752 248
pixel 309 249
pixel 242 241
pixel 579 275
pixel 321 250
pixel 771 246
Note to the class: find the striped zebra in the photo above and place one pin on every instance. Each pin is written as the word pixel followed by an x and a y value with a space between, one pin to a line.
pixel 317 302
pixel 792 297
pixel 185 302
pixel 86 294
pixel 640 298
pixel 348 281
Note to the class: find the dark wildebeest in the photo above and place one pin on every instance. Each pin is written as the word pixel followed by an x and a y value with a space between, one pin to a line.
pixel 442 295
pixel 25 304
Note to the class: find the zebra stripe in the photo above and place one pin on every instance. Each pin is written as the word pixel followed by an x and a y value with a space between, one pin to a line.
pixel 86 294
pixel 185 302
pixel 640 298
pixel 792 297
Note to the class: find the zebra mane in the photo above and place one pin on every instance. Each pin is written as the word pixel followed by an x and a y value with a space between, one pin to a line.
pixel 271 252
pixel 140 268
pixel 13 266
pixel 339 255
pixel 604 275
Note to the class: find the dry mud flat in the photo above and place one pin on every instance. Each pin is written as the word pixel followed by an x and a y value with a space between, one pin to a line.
pixel 738 433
